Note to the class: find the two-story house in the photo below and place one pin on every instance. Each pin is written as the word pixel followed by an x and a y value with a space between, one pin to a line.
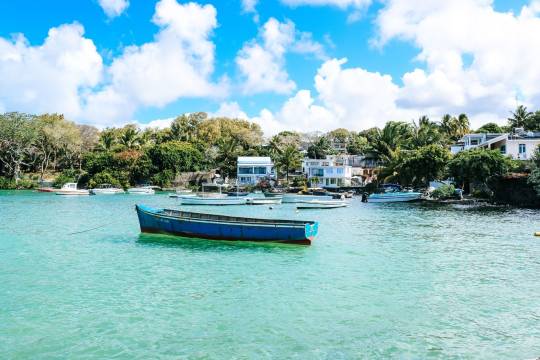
pixel 252 169
pixel 329 172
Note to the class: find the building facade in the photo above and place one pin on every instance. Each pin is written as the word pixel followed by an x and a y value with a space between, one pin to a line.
pixel 251 170
pixel 519 145
pixel 330 172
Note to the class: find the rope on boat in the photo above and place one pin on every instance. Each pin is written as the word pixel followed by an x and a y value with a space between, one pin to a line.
pixel 88 230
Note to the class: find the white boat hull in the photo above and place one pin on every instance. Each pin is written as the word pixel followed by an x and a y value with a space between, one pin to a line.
pixel 321 206
pixel 263 201
pixel 73 192
pixel 196 200
pixel 393 197
pixel 141 191
pixel 106 191
pixel 294 198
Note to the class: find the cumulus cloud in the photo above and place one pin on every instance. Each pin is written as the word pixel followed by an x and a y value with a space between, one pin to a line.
pixel 339 3
pixel 51 77
pixel 502 47
pixel 230 109
pixel 113 8
pixel 177 64
pixel 262 63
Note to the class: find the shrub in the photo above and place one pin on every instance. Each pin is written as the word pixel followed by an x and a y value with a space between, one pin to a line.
pixel 66 176
pixel 11 184
pixel 444 192
pixel 103 178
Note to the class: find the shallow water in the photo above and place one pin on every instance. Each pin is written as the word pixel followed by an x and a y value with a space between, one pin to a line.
pixel 380 281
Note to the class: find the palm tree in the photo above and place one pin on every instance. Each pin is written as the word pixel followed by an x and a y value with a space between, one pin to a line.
pixel 228 150
pixel 107 139
pixel 521 118
pixel 130 138
pixel 386 142
pixel 425 133
pixel 289 159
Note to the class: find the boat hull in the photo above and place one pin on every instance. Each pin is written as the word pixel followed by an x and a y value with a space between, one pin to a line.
pixel 219 227
pixel 218 201
pixel 393 197
pixel 294 198
pixel 73 192
pixel 106 191
pixel 263 201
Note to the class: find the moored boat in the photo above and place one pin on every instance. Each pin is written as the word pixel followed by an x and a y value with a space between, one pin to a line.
pixel 212 200
pixel 46 189
pixel 322 204
pixel 296 198
pixel 395 196
pixel 106 189
pixel 143 190
pixel 264 201
pixel 71 189
pixel 222 227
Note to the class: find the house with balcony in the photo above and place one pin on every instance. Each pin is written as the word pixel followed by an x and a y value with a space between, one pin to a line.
pixel 251 170
pixel 331 172
pixel 519 145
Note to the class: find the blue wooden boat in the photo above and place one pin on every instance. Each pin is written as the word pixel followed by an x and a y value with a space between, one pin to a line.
pixel 222 227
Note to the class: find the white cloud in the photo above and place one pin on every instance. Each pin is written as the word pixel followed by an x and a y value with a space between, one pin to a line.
pixel 339 3
pixel 229 109
pixel 248 6
pixel 262 65
pixel 113 8
pixel 177 64
pixel 503 48
pixel 158 123
pixel 51 77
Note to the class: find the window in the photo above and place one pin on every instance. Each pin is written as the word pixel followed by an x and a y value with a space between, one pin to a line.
pixel 260 170
pixel 474 141
pixel 340 171
pixel 245 170
pixel 317 172
pixel 522 149
pixel 329 171
pixel 503 149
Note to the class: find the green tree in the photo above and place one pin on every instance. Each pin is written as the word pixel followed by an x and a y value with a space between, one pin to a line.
pixel 176 156
pixel 228 151
pixel 289 159
pixel 385 143
pixel 357 144
pixel 319 149
pixel 107 139
pixel 534 176
pixel 477 165
pixel 130 137
pixel 455 128
pixel 424 133
pixel 521 118
pixel 490 128
pixel 417 167
pixel 18 133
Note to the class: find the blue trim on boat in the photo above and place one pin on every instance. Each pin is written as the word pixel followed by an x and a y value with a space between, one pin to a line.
pixel 222 227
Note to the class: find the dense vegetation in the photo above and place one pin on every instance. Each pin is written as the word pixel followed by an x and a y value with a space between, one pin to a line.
pixel 49 146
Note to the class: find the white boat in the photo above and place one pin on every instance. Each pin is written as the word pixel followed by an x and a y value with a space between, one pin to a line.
pixel 394 196
pixel 296 198
pixel 212 200
pixel 143 190
pixel 322 204
pixel 264 201
pixel 71 189
pixel 106 189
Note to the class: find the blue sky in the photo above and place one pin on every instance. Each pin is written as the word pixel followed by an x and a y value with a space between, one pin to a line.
pixel 327 25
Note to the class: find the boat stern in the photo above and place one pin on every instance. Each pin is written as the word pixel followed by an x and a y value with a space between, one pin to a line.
pixel 311 230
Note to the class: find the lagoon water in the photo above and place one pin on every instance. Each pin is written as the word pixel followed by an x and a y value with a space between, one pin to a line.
pixel 380 281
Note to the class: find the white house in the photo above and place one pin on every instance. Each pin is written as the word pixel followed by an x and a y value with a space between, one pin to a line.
pixel 519 145
pixel 251 169
pixel 329 172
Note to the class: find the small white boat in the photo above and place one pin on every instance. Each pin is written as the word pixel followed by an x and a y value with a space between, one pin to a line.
pixel 212 200
pixel 264 201
pixel 71 189
pixel 297 198
pixel 322 204
pixel 143 190
pixel 395 196
pixel 106 189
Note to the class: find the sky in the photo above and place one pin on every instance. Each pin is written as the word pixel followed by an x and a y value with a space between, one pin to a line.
pixel 304 65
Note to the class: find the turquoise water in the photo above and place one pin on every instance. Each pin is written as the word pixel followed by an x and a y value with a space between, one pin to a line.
pixel 381 281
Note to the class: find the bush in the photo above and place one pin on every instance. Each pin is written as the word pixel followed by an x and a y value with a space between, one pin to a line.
pixel 11 184
pixel 299 181
pixel 66 176
pixel 444 192
pixel 164 178
pixel 103 178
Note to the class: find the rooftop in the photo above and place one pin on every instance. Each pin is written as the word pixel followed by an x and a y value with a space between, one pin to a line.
pixel 254 160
